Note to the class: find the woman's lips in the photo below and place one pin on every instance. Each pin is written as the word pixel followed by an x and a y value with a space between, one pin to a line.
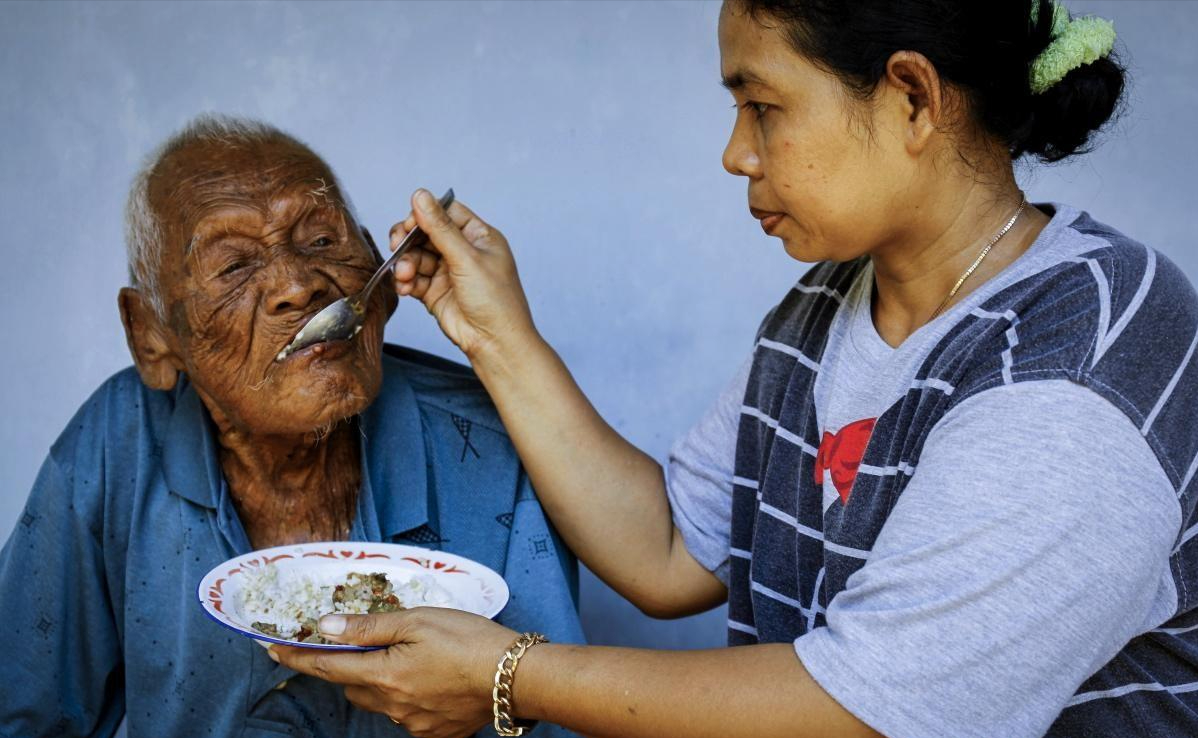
pixel 769 220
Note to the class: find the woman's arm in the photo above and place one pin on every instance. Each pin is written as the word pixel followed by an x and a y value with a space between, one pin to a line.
pixel 436 677
pixel 757 691
pixel 605 496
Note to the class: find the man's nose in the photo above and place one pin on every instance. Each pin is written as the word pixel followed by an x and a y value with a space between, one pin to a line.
pixel 296 287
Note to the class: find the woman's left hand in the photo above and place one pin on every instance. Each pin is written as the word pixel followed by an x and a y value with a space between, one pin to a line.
pixel 434 677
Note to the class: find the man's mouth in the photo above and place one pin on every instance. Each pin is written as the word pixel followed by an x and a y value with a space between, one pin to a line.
pixel 318 348
pixel 326 350
pixel 312 324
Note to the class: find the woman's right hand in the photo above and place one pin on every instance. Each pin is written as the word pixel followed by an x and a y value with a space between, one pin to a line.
pixel 606 497
pixel 465 276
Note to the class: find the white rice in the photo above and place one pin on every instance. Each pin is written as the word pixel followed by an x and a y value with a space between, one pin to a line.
pixel 285 597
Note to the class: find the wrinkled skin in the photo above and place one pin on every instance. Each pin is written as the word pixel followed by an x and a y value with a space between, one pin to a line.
pixel 256 241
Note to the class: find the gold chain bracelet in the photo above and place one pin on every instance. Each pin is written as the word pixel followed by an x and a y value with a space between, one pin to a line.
pixel 501 694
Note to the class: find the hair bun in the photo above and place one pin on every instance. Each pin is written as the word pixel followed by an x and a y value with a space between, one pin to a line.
pixel 1065 108
pixel 1062 119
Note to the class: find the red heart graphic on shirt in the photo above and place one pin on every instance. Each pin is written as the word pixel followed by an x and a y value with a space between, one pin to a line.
pixel 840 454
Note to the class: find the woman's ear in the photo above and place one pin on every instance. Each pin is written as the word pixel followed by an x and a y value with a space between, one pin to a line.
pixel 913 77
pixel 152 355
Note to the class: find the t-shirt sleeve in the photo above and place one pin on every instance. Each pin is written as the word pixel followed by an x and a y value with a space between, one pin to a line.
pixel 1029 547
pixel 699 478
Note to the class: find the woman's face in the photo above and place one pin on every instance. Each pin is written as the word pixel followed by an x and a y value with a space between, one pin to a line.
pixel 829 175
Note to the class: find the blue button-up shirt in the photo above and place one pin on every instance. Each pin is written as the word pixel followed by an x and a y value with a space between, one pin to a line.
pixel 130 510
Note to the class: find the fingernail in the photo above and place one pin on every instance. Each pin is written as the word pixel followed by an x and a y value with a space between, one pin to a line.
pixel 271 653
pixel 424 201
pixel 332 624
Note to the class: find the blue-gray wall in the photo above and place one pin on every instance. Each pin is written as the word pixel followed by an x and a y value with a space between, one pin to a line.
pixel 590 133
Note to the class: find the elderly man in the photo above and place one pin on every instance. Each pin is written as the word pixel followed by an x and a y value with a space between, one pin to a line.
pixel 237 234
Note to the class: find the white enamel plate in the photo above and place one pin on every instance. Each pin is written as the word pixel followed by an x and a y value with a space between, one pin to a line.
pixel 471 586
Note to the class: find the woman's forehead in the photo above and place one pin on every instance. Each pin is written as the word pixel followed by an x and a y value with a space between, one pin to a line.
pixel 753 52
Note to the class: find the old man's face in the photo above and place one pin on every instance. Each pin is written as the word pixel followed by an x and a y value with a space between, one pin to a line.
pixel 257 241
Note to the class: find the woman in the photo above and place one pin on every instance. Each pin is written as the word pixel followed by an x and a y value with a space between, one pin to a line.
pixel 953 477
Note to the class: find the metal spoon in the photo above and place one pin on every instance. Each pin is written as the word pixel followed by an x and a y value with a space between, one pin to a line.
pixel 343 319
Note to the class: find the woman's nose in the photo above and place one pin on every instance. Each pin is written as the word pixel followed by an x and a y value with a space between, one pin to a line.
pixel 740 155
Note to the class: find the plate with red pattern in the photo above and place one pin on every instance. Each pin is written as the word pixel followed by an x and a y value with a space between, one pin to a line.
pixel 277 595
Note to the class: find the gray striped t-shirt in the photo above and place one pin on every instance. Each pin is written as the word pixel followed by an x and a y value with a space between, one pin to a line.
pixel 1037 529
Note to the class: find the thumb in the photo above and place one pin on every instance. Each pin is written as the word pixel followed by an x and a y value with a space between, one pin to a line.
pixel 381 629
pixel 444 234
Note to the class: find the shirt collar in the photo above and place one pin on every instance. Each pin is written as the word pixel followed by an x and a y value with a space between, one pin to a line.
pixel 189 456
pixel 393 453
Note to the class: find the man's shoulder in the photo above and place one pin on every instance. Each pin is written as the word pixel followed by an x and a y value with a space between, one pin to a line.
pixel 444 386
pixel 120 411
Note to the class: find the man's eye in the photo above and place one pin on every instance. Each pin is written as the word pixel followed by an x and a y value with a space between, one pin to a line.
pixel 322 242
pixel 232 267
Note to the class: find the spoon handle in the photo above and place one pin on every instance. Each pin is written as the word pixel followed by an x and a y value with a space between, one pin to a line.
pixel 415 235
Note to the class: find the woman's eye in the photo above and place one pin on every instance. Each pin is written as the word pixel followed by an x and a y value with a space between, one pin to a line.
pixel 756 107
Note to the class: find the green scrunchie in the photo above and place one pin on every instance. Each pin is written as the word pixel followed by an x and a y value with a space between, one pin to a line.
pixel 1075 43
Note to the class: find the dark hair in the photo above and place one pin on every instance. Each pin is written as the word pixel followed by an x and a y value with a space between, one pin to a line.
pixel 983 49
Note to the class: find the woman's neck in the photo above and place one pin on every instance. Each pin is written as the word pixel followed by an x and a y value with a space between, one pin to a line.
pixel 290 489
pixel 915 272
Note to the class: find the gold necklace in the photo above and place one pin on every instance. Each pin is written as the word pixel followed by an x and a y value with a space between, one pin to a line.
pixel 1002 232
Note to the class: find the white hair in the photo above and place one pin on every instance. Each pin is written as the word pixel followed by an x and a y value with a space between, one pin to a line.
pixel 143 227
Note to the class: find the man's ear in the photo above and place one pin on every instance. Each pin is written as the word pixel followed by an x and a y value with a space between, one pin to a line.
pixel 378 255
pixel 389 297
pixel 152 354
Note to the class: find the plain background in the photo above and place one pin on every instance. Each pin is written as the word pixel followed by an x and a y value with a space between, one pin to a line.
pixel 590 133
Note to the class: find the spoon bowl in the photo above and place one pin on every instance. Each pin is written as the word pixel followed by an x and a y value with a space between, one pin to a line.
pixel 341 320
